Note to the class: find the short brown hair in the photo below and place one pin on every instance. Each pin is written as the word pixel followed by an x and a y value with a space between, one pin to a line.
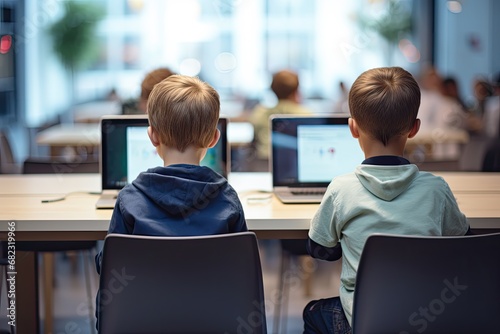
pixel 151 79
pixel 284 84
pixel 384 102
pixel 184 112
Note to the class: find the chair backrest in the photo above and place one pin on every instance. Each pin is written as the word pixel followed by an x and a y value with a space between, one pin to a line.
pixel 409 284
pixel 52 166
pixel 205 284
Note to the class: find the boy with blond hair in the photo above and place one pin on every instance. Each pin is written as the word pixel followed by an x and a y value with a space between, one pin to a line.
pixel 180 198
pixel 385 194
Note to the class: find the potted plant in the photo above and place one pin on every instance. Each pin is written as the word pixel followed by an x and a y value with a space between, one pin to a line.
pixel 74 37
pixel 393 25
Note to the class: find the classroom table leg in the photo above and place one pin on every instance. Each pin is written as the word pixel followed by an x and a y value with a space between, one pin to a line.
pixel 48 291
pixel 27 312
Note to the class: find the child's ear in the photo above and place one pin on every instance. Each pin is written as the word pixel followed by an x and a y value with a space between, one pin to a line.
pixel 353 126
pixel 153 136
pixel 215 139
pixel 414 129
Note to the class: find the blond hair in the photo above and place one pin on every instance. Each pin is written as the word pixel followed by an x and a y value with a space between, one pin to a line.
pixel 184 112
pixel 384 102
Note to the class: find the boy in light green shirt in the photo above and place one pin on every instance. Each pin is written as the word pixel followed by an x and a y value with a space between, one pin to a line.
pixel 385 194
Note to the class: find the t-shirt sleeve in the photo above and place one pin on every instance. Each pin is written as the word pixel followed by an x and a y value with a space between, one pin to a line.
pixel 454 221
pixel 322 229
pixel 318 251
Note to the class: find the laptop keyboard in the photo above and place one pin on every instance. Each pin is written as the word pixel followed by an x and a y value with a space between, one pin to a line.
pixel 308 191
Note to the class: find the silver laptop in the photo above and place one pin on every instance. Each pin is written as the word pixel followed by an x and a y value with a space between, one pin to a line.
pixel 126 151
pixel 307 153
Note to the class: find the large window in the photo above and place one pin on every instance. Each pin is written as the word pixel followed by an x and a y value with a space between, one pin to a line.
pixel 235 45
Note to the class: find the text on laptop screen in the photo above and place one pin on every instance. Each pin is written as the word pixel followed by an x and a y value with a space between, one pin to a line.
pixel 311 151
pixel 127 151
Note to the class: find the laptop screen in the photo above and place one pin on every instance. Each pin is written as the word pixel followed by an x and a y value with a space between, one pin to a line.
pixel 126 150
pixel 311 151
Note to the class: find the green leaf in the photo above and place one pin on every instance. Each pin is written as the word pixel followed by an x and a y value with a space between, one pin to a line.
pixel 74 34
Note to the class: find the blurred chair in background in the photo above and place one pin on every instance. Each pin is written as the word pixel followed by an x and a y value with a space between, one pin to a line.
pixel 53 166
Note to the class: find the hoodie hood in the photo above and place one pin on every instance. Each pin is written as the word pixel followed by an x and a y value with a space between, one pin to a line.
pixel 386 182
pixel 180 189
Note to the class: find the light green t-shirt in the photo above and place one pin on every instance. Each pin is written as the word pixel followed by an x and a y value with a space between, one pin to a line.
pixel 382 199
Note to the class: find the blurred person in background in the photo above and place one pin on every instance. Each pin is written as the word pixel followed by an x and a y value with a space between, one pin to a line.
pixel 135 106
pixel 449 88
pixel 491 117
pixel 441 117
pixel 285 85
pixel 482 90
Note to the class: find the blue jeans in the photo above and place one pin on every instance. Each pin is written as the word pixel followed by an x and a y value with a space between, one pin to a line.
pixel 325 316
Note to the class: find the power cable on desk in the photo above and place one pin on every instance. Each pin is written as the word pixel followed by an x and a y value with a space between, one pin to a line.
pixel 256 196
pixel 68 194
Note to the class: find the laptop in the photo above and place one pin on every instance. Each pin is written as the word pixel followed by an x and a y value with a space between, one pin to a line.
pixel 307 153
pixel 126 151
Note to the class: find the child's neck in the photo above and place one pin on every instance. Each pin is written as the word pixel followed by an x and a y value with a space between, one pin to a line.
pixel 172 156
pixel 376 148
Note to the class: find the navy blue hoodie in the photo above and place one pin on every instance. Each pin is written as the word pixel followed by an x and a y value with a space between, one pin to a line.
pixel 178 200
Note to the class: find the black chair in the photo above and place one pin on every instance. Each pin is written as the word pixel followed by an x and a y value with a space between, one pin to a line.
pixel 205 284
pixel 410 284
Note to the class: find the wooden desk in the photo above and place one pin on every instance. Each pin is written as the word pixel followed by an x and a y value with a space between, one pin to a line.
pixel 79 136
pixel 76 218
pixel 478 195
